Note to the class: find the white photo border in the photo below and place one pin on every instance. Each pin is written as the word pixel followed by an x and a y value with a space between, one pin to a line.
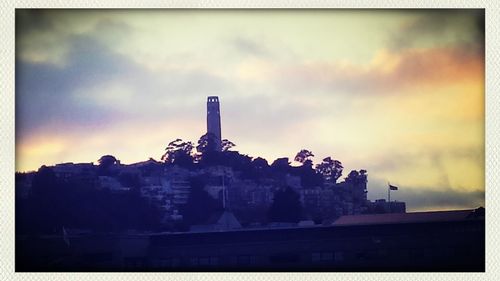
pixel 7 135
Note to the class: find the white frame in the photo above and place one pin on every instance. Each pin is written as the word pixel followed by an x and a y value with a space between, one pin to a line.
pixel 7 145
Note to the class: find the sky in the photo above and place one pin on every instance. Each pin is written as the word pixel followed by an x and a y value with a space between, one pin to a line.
pixel 399 93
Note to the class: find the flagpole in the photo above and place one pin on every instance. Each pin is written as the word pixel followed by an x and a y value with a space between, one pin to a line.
pixel 388 192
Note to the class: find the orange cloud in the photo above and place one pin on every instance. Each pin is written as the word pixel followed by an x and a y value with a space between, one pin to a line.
pixel 388 72
pixel 437 66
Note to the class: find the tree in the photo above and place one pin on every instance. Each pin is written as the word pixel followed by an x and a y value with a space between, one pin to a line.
pixel 281 165
pixel 206 143
pixel 304 156
pixel 356 177
pixel 107 161
pixel 260 163
pixel 179 152
pixel 330 169
pixel 207 154
pixel 200 205
pixel 363 176
pixel 260 169
pixel 286 206
pixel 206 148
pixel 227 145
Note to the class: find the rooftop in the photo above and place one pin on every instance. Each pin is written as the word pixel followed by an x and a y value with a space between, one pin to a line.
pixel 416 217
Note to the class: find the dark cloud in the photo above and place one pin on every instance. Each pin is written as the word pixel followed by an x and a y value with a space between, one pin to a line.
pixel 44 91
pixel 72 91
pixel 436 24
pixel 424 198
pixel 32 20
pixel 432 24
pixel 47 93
pixel 475 155
pixel 443 195
pixel 396 160
pixel 400 161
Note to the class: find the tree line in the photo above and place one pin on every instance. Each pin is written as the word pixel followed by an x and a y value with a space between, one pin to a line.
pixel 54 203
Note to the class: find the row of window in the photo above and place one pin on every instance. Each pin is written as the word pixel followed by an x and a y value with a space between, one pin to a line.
pixel 202 261
pixel 325 257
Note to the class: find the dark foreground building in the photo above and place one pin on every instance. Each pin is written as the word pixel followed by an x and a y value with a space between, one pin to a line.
pixel 430 241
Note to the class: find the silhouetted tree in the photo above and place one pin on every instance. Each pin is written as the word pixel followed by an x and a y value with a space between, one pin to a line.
pixel 227 145
pixel 286 206
pixel 260 167
pixel 308 176
pixel 238 162
pixel 260 163
pixel 330 169
pixel 105 164
pixel 200 205
pixel 363 176
pixel 281 165
pixel 303 156
pixel 107 160
pixel 206 143
pixel 179 152
pixel 207 155
pixel 354 177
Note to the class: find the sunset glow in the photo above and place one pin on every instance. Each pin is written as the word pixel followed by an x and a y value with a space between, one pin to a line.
pixel 399 93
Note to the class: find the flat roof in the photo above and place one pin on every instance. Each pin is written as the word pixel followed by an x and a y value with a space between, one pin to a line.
pixel 416 217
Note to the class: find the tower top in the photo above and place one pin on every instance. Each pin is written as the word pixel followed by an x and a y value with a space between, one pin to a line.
pixel 213 99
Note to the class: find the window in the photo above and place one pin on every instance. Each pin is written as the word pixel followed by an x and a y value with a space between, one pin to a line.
pixel 361 256
pixel 247 260
pixel 214 260
pixel 243 259
pixel 193 261
pixel 133 263
pixel 316 257
pixel 170 262
pixel 324 256
pixel 203 261
pixel 339 256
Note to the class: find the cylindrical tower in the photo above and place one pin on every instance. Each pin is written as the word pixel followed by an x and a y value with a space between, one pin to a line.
pixel 213 121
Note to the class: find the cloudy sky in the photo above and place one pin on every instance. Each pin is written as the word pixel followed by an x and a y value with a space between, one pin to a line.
pixel 398 93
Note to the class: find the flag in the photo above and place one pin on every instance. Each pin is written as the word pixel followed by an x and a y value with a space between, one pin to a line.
pixel 393 187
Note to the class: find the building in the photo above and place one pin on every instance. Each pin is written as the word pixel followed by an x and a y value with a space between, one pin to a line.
pixel 422 242
pixel 177 179
pixel 84 173
pixel 181 190
pixel 221 221
pixel 111 184
pixel 24 182
pixel 381 206
pixel 213 121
